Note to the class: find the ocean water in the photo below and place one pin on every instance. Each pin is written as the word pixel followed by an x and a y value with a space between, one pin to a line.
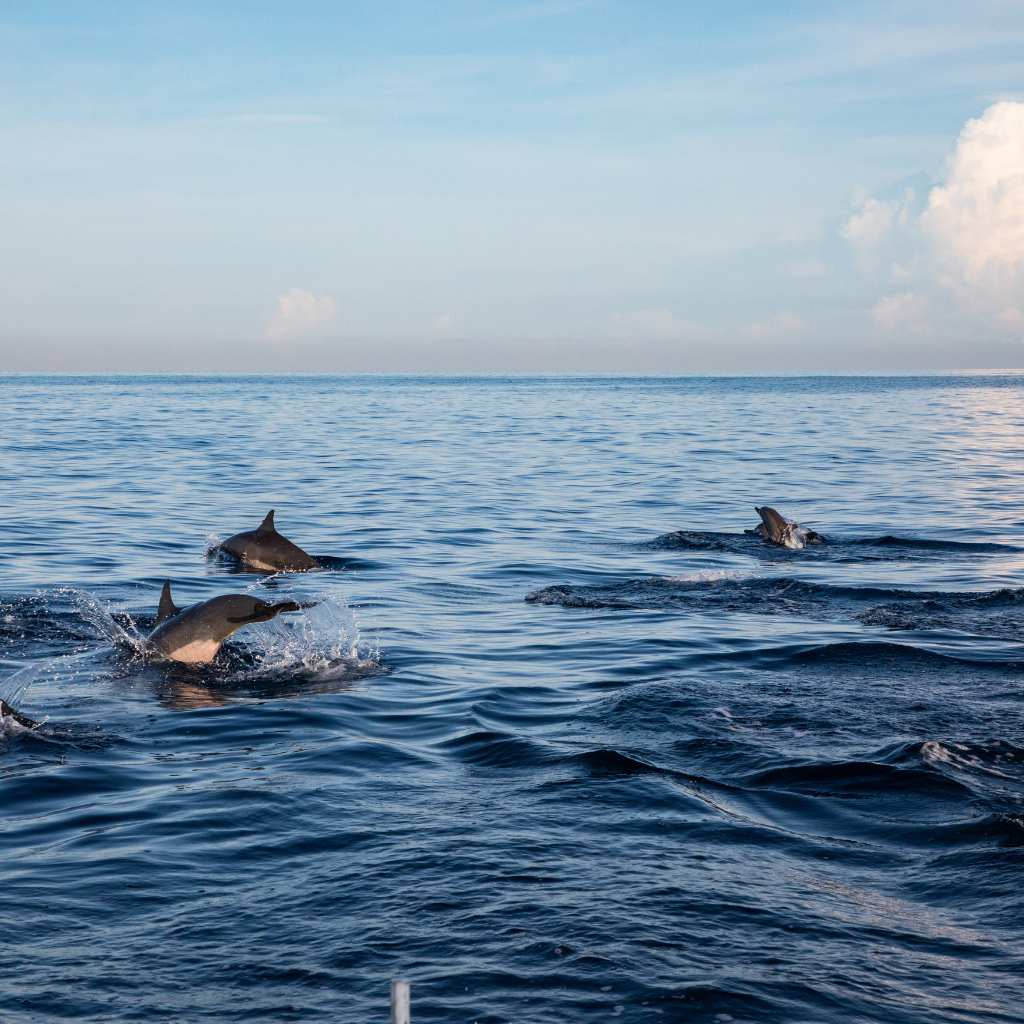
pixel 560 742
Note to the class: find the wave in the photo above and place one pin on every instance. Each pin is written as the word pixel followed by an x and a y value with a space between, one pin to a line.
pixel 890 547
pixel 772 594
pixel 493 749
pixel 702 540
pixel 997 613
pixel 907 795
pixel 926 544
pixel 871 655
pixel 857 778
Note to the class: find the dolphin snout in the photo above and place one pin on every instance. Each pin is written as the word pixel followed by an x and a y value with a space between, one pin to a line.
pixel 270 611
pixel 292 606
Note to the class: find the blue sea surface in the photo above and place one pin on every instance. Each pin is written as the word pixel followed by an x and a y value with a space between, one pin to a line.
pixel 559 742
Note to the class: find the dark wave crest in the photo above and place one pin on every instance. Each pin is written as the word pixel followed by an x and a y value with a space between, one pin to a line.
pixel 887 547
pixel 996 613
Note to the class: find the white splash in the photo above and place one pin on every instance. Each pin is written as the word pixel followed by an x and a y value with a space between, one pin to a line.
pixel 707 576
pixel 89 610
pixel 10 726
pixel 323 643
pixel 99 616
pixel 796 536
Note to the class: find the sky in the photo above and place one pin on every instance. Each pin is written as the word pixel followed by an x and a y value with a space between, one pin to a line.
pixel 553 186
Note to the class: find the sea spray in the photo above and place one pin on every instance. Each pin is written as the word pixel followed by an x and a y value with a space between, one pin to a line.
pixel 323 643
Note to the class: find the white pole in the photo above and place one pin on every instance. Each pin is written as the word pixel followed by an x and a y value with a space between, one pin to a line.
pixel 399 1002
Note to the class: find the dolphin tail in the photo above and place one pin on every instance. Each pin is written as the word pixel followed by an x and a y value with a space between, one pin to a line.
pixel 167 607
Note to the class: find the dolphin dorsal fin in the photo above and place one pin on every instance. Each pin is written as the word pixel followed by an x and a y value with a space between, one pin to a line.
pixel 267 526
pixel 167 607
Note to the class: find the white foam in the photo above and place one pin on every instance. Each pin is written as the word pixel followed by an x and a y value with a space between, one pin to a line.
pixel 707 576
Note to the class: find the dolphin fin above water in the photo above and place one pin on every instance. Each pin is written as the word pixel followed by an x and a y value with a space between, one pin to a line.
pixel 266 549
pixel 776 529
pixel 167 608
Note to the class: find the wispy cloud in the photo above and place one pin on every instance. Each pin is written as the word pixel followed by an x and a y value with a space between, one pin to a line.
pixel 904 312
pixel 269 118
pixel 299 313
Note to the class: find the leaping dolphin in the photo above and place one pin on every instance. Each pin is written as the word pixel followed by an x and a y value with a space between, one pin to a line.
pixel 6 711
pixel 264 548
pixel 195 635
pixel 775 529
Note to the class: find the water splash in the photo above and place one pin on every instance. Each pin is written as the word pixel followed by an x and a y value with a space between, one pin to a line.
pixel 10 726
pixel 100 616
pixel 65 627
pixel 324 643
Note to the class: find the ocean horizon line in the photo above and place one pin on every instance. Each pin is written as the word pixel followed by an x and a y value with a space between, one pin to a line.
pixel 511 374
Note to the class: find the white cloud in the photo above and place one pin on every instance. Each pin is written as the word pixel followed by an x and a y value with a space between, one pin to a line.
pixel 975 221
pixel 299 313
pixel 904 312
pixel 876 219
pixel 443 323
pixel 959 264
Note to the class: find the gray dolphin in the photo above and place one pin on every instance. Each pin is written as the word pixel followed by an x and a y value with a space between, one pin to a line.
pixel 6 711
pixel 195 635
pixel 264 548
pixel 776 529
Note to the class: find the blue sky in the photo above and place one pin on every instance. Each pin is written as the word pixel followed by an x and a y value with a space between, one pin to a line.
pixel 551 185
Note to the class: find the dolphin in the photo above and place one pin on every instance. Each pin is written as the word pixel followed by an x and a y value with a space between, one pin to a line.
pixel 264 548
pixel 775 529
pixel 195 635
pixel 6 711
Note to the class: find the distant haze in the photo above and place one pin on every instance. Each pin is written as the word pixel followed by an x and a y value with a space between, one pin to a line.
pixel 543 186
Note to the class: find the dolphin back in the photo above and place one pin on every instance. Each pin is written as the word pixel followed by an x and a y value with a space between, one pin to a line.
pixel 264 548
